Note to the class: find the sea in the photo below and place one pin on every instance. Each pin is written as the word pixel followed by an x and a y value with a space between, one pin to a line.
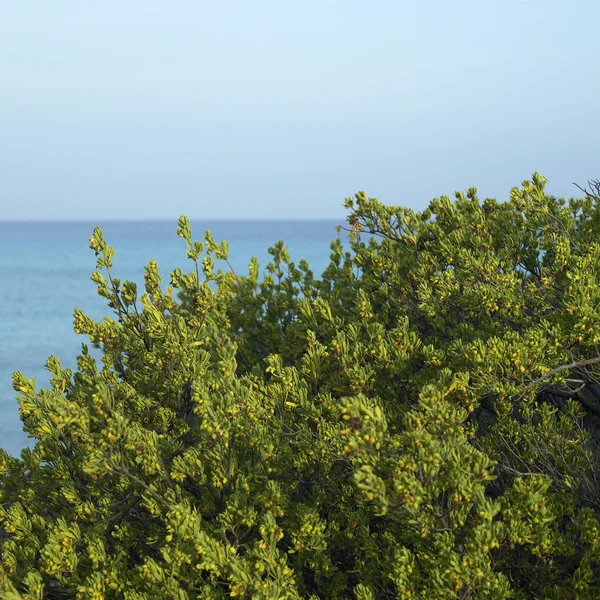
pixel 45 270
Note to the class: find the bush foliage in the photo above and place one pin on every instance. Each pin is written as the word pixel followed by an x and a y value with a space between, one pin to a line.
pixel 419 422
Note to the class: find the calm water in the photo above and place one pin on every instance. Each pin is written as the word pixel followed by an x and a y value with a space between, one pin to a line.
pixel 45 273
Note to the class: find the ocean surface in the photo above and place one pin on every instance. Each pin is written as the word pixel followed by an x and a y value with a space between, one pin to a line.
pixel 45 270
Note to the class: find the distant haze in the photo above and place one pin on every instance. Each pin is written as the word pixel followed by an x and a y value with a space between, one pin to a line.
pixel 271 109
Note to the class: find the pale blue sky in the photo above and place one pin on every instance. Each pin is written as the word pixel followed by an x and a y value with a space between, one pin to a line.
pixel 276 109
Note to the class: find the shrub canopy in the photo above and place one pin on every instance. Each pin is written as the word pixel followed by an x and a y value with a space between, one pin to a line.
pixel 419 422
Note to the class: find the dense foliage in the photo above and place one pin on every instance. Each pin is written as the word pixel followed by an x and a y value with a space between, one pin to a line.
pixel 418 422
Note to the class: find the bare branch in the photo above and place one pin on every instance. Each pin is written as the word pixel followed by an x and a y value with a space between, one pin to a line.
pixel 573 365
pixel 594 184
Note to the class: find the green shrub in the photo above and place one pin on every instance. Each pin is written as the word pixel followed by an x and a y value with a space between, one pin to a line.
pixel 420 422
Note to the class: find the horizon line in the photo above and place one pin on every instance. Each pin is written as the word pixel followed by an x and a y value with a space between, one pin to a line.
pixel 165 220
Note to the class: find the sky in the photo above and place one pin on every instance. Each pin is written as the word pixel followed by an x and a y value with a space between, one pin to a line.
pixel 148 109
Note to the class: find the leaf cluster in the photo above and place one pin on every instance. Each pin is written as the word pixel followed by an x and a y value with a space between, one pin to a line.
pixel 420 421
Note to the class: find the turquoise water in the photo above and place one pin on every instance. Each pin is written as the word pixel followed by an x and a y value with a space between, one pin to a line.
pixel 45 273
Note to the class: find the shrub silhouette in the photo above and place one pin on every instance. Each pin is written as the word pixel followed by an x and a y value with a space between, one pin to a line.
pixel 420 422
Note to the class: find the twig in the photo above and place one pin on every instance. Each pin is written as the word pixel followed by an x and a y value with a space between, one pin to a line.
pixel 573 365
